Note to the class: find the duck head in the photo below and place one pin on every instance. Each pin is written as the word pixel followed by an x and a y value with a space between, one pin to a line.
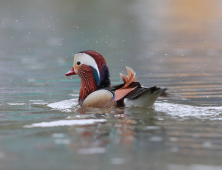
pixel 91 67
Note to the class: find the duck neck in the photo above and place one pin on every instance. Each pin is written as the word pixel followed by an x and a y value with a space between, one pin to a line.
pixel 88 85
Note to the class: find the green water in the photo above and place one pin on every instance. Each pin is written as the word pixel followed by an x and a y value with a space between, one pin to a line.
pixel 175 44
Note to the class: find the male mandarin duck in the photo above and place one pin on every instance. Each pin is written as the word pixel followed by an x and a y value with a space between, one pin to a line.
pixel 95 89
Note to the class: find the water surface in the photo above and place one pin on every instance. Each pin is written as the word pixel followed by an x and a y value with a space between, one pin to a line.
pixel 175 44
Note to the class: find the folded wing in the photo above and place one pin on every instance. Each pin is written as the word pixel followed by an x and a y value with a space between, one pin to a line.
pixel 132 90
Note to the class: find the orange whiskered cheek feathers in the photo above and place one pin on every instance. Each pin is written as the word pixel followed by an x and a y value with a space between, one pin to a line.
pixel 85 72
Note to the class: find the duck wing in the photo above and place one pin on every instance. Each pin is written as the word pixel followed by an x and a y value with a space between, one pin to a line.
pixel 132 91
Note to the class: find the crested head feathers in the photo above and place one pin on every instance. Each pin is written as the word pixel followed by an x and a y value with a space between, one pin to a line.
pixel 96 61
pixel 99 59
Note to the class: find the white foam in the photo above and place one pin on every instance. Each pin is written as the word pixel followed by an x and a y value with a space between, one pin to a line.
pixel 40 103
pixel 63 141
pixel 181 110
pixel 58 135
pixel 16 104
pixel 156 138
pixel 65 105
pixel 152 128
pixel 65 123
pixel 89 151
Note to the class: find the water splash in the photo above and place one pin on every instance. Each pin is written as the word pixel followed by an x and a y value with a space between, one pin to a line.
pixel 65 123
pixel 65 105
pixel 179 110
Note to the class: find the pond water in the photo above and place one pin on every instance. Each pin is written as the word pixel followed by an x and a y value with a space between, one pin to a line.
pixel 175 44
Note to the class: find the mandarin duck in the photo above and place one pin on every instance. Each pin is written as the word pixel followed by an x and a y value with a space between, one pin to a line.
pixel 95 88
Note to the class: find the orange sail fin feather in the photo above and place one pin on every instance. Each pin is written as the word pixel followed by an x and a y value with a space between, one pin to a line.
pixel 128 80
pixel 131 77
pixel 131 72
pixel 124 77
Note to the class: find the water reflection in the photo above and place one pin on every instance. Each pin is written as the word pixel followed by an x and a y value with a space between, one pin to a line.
pixel 189 141
pixel 176 44
pixel 122 134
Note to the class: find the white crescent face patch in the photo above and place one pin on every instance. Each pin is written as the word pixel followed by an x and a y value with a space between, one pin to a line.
pixel 86 59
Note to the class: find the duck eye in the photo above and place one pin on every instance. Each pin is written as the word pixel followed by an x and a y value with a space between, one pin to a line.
pixel 78 63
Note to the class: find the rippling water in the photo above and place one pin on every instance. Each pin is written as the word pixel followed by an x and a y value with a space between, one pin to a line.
pixel 175 44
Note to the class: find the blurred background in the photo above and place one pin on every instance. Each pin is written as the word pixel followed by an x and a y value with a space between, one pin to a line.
pixel 170 43
pixel 177 41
